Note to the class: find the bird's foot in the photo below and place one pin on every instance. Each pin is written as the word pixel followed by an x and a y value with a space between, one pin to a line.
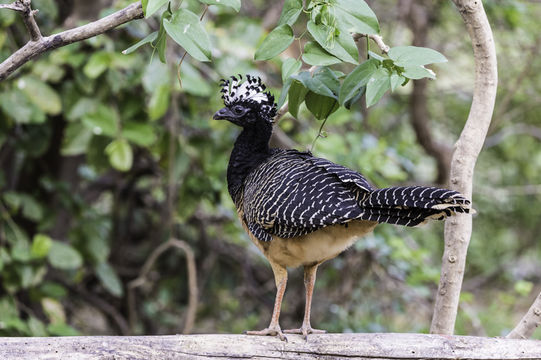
pixel 270 331
pixel 304 330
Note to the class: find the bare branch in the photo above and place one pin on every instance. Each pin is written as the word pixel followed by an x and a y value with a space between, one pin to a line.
pixel 529 322
pixel 192 280
pixel 516 129
pixel 30 21
pixel 378 39
pixel 15 6
pixel 458 229
pixel 35 48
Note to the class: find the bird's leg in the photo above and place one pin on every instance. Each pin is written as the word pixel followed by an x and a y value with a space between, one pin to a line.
pixel 280 277
pixel 309 281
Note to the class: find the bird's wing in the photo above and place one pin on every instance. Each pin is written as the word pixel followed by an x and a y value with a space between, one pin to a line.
pixel 294 193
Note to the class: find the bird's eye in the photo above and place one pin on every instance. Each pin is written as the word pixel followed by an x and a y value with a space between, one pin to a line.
pixel 238 109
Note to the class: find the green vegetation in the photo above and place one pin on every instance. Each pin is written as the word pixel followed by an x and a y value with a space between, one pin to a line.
pixel 104 156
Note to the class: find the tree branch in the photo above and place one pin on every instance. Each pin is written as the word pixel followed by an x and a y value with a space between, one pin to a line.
pixel 43 44
pixel 326 346
pixel 458 229
pixel 192 281
pixel 529 322
pixel 378 39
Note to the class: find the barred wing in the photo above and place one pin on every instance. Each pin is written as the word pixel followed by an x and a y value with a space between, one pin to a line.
pixel 294 193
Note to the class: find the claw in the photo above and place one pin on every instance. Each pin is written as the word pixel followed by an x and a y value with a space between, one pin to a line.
pixel 270 331
pixel 304 331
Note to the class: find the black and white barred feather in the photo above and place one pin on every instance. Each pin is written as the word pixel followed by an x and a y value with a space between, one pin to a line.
pixel 294 193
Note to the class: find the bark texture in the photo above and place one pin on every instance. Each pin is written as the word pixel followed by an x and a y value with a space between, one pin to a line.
pixel 458 229
pixel 326 346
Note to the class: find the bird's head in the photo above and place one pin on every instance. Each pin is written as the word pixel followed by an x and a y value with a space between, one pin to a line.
pixel 246 102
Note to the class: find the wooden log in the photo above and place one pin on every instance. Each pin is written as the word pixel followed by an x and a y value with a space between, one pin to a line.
pixel 326 346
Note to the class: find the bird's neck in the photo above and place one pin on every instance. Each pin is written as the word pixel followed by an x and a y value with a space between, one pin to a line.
pixel 251 149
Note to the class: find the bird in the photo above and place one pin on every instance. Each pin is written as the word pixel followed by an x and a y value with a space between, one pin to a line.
pixel 302 210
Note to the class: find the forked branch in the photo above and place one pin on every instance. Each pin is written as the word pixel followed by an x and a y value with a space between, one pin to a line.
pixel 38 45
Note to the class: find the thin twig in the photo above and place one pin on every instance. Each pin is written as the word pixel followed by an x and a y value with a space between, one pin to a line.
pixel 378 39
pixel 319 134
pixel 15 6
pixel 35 48
pixel 192 281
pixel 30 21
pixel 185 52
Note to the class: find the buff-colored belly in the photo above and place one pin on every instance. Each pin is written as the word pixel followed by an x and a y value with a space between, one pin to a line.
pixel 316 247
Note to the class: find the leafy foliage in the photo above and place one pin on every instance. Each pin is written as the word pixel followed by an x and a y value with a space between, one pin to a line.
pixel 89 150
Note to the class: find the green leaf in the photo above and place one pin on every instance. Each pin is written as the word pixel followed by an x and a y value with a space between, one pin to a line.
pixel 355 16
pixel 20 251
pixel 378 84
pixel 139 133
pixel 32 210
pixel 159 102
pixel 62 329
pixel 76 139
pixel 52 289
pixel 323 82
pixel 417 72
pixel 235 4
pixel 413 55
pixel 152 6
pixel 41 244
pixel 120 154
pixel 296 94
pixel 103 121
pixel 315 55
pixel 275 42
pixel 161 41
pixel 342 45
pixel 41 94
pixel 54 310
pixel 97 64
pixel 17 106
pixel 36 327
pixel 185 28
pixel 192 81
pixel 109 279
pixel 357 79
pixel 396 80
pixel 147 39
pixel 523 287
pixel 289 67
pixel 64 256
pixel 290 12
pixel 321 106
pixel 284 92
pixel 83 106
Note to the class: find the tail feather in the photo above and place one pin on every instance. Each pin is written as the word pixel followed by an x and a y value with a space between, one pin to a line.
pixel 413 205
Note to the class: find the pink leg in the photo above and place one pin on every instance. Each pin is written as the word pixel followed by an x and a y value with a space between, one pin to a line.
pixel 309 281
pixel 280 277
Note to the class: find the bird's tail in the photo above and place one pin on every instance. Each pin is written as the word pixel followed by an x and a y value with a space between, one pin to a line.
pixel 412 205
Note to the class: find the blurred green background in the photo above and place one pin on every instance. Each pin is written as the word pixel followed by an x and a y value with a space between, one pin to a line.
pixel 103 157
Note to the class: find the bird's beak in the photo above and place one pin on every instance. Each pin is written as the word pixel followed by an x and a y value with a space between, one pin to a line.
pixel 223 114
